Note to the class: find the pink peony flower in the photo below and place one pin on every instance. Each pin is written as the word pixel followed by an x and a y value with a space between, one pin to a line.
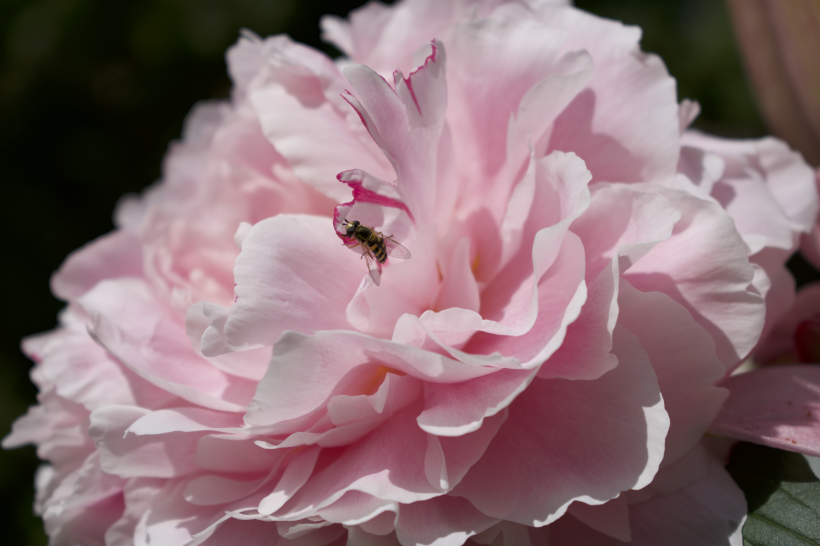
pixel 545 363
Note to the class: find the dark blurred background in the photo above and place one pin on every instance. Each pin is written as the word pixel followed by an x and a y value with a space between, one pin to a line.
pixel 92 91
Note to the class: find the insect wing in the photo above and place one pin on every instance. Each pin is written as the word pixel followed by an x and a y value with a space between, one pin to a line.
pixel 373 265
pixel 395 250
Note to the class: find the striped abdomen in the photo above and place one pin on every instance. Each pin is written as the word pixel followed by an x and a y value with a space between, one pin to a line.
pixel 377 246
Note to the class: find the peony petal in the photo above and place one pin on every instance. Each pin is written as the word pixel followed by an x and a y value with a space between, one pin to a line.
pixel 84 524
pixel 553 192
pixel 610 518
pixel 356 536
pixel 299 88
pixel 115 255
pixel 586 350
pixel 459 288
pixel 777 284
pixel 406 125
pixel 686 364
pixel 625 123
pixel 248 533
pixel 533 332
pixel 443 521
pixel 217 490
pixel 425 87
pixel 138 493
pixel 387 464
pixel 688 112
pixel 671 478
pixel 130 455
pixel 205 326
pixel 54 425
pixel 623 223
pixel 704 267
pixel 330 363
pixel 776 406
pixel 296 474
pixel 782 171
pixel 306 296
pixel 171 520
pixel 460 453
pixel 355 508
pixel 460 408
pixel 170 420
pixel 589 454
pixel 385 38
pixel 82 371
pixel 698 171
pixel 264 533
pixel 810 243
pixel 244 60
pixel 542 104
pixel 128 321
pixel 494 66
pixel 508 533
pixel 352 417
pixel 312 534
pixel 707 513
pixel 233 453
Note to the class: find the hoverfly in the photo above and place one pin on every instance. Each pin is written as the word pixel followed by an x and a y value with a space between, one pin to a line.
pixel 375 247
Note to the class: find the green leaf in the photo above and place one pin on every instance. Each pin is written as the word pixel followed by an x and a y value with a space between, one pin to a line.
pixel 783 496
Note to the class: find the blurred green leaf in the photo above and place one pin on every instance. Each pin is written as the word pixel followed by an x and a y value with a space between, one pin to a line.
pixel 783 495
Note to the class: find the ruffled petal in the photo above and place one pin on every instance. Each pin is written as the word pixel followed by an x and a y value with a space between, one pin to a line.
pixel 460 408
pixel 586 350
pixel 388 464
pixel 610 518
pixel 769 165
pixel 443 521
pixel 501 66
pixel 707 513
pixel 406 123
pixel 624 223
pixel 704 266
pixel 129 455
pixel 299 88
pixel 686 364
pixel 117 254
pixel 529 321
pixel 306 371
pixel 315 277
pixel 589 454
pixel 81 371
pixel 138 495
pixel 625 123
pixel 128 321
